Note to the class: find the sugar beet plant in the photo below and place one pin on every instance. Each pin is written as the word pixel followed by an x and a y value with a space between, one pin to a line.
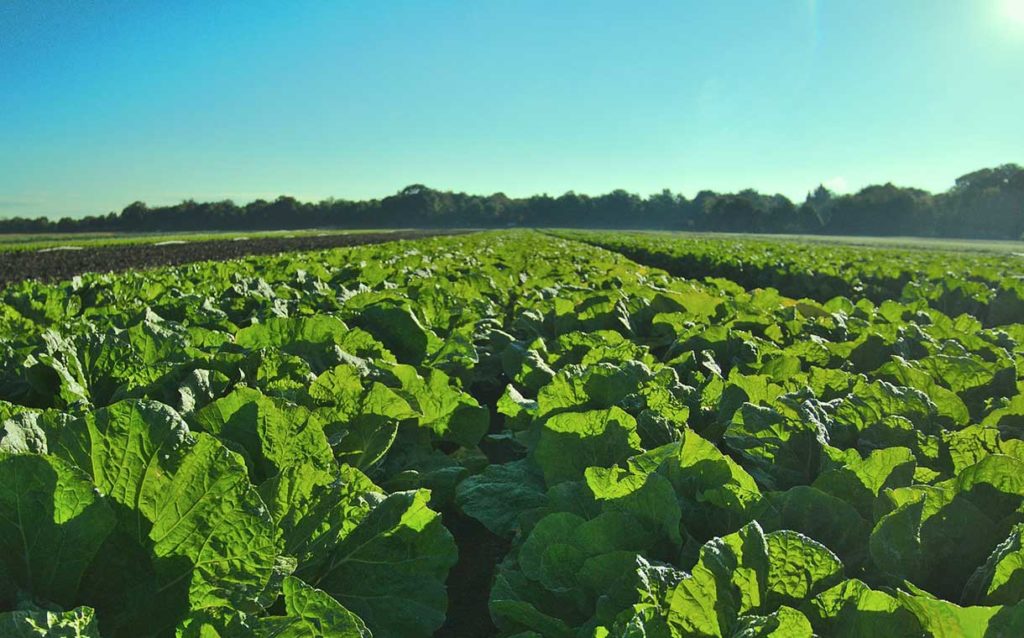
pixel 272 447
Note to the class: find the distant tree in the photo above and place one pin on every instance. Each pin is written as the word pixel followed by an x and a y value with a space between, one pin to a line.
pixel 134 216
pixel 664 210
pixel 882 210
pixel 984 203
pixel 809 219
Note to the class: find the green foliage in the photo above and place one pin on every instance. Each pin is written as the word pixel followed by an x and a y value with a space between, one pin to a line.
pixel 533 431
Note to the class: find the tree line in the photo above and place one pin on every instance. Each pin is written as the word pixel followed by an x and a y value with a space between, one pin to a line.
pixel 988 203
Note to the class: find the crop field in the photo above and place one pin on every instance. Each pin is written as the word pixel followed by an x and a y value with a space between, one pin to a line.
pixel 945 244
pixel 520 434
pixel 48 260
pixel 44 241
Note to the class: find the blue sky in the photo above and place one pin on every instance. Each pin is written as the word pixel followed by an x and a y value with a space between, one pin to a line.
pixel 106 102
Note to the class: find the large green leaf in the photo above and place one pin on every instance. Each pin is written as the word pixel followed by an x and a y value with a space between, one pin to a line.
pixel 398 329
pixel 192 531
pixel 308 613
pixel 571 442
pixel 323 341
pixel 384 557
pixel 315 508
pixel 830 521
pixel 360 417
pixel 648 498
pixel 52 523
pixel 274 433
pixel 391 569
pixel 447 411
pixel 851 609
pixel 516 606
pixel 944 619
pixel 799 568
pixel 785 622
pixel 292 335
pixel 780 450
pixel 500 494
pixel 717 496
pixel 729 580
pixel 578 388
pixel 859 481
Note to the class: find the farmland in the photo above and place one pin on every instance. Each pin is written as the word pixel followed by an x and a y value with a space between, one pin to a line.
pixel 519 434
pixel 37 258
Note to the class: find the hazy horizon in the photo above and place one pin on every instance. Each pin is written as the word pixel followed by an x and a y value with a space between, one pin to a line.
pixel 105 104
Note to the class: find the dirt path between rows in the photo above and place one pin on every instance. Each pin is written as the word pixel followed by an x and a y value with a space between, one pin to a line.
pixel 55 265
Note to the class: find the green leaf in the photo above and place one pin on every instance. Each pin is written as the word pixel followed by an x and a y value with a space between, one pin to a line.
pixel 851 609
pixel 820 516
pixel 935 537
pixel 698 608
pixel 799 568
pixel 391 569
pixel 307 612
pixel 296 335
pixel 274 433
pixel 526 368
pixel 1009 416
pixel 450 413
pixel 310 613
pixel 316 508
pixel 906 373
pixel 1000 581
pixel 500 494
pixel 398 329
pixel 943 619
pixel 22 434
pixel 571 442
pixel 577 388
pixel 52 523
pixel 322 340
pixel 515 606
pixel 648 498
pixel 192 531
pixel 785 622
pixel 779 450
pixel 360 418
pixel 973 378
pixel 716 495
pixel 870 403
pixel 729 580
pixel 517 409
pixel 283 375
pixel 973 444
pixel 554 530
pixel 859 482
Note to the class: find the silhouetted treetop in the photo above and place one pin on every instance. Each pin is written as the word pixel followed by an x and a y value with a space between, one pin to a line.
pixel 988 203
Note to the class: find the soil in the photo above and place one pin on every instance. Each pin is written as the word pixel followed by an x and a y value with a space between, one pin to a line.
pixel 469 582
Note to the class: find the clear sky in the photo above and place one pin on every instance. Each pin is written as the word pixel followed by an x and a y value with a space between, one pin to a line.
pixel 106 102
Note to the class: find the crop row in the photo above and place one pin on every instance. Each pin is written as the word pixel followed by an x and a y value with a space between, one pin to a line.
pixel 988 286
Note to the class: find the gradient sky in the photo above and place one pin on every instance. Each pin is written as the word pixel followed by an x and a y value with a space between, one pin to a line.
pixel 106 102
